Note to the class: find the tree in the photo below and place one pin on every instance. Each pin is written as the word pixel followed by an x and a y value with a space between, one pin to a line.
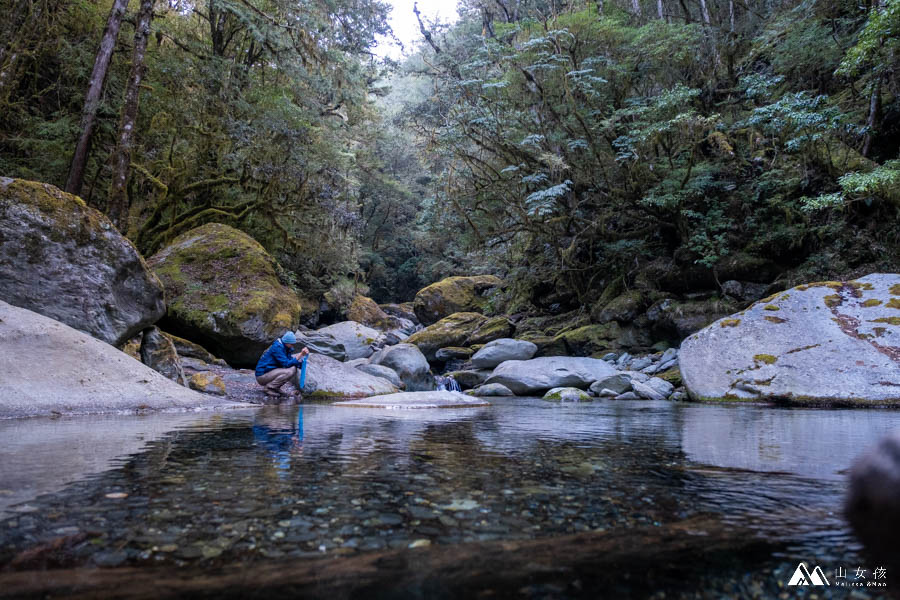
pixel 75 179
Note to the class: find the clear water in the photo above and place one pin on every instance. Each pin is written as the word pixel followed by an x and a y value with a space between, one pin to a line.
pixel 199 491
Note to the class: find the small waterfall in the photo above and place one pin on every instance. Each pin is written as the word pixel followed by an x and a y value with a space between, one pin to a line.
pixel 447 384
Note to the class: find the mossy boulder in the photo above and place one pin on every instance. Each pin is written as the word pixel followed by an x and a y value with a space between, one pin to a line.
pixel 680 318
pixel 449 331
pixel 188 349
pixel 597 340
pixel 364 310
pixel 208 383
pixel 492 329
pixel 567 394
pixel 66 261
pixel 624 308
pixel 404 310
pixel 223 292
pixel 830 346
pixel 453 295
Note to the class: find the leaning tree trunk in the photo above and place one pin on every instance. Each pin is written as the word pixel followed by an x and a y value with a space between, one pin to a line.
pixel 118 194
pixel 704 10
pixel 92 98
pixel 874 116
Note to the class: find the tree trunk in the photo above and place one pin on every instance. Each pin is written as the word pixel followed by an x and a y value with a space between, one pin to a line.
pixel 704 10
pixel 636 7
pixel 660 11
pixel 600 7
pixel 118 196
pixel 731 14
pixel 874 116
pixel 92 99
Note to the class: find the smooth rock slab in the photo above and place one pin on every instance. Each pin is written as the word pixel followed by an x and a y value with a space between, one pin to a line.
pixel 525 377
pixel 835 343
pixel 417 400
pixel 48 368
pixel 326 377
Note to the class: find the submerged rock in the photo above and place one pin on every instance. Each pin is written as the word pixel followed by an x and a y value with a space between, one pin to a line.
pixel 223 291
pixel 449 331
pixel 491 389
pixel 410 365
pixel 329 378
pixel 453 295
pixel 158 353
pixel 502 350
pixel 66 261
pixel 85 375
pixel 357 339
pixel 567 394
pixel 525 377
pixel 834 343
pixel 414 400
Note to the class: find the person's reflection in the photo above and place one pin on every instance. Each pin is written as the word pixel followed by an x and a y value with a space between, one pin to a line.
pixel 280 433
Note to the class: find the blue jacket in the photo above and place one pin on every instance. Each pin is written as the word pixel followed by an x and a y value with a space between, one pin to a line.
pixel 276 357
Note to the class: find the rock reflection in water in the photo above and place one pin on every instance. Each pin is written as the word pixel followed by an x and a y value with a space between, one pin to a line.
pixel 314 480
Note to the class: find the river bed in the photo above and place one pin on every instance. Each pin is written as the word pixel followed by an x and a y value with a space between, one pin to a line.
pixel 265 490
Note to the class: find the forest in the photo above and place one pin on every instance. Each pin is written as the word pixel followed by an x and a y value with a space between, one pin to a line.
pixel 576 149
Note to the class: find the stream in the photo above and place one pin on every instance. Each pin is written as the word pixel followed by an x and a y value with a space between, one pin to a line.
pixel 524 498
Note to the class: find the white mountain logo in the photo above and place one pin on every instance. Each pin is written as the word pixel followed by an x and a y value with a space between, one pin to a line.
pixel 802 576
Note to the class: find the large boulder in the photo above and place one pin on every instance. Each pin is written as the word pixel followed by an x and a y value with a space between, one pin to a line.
pixel 66 261
pixel 188 349
pixel 503 350
pixel 158 353
pixel 358 340
pixel 384 373
pixel 597 340
pixel 492 329
pixel 528 377
pixel 49 368
pixel 449 331
pixel 223 292
pixel 329 378
pixel 453 295
pixel 410 365
pixel 681 318
pixel 403 310
pixel 364 310
pixel 834 343
pixel 321 342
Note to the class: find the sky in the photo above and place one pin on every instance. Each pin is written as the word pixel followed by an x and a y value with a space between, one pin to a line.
pixel 405 26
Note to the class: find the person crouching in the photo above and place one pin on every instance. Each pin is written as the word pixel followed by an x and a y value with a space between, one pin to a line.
pixel 277 365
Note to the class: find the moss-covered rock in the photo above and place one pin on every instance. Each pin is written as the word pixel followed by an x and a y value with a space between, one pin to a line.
pixel 364 310
pixel 567 394
pixel 188 349
pixel 492 329
pixel 208 383
pixel 223 291
pixel 623 308
pixel 66 261
pixel 404 310
pixel 597 340
pixel 547 345
pixel 681 318
pixel 453 295
pixel 449 331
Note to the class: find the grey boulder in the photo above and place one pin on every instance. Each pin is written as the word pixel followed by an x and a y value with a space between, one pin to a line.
pixel 357 339
pixel 158 353
pixel 833 343
pixel 503 350
pixel 410 365
pixel 383 372
pixel 321 342
pixel 66 261
pixel 618 384
pixel 538 375
pixel 86 374
pixel 329 378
